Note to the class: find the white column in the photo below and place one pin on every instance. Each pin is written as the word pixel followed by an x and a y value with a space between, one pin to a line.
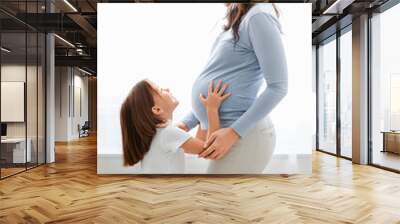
pixel 50 100
pixel 50 92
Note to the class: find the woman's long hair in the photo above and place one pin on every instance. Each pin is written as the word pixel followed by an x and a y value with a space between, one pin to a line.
pixel 138 123
pixel 235 13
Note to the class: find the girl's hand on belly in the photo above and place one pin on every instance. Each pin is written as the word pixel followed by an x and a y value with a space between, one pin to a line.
pixel 215 96
pixel 212 103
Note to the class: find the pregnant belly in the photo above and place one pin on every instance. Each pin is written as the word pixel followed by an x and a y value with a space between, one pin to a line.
pixel 231 109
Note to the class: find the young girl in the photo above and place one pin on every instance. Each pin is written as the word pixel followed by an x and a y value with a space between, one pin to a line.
pixel 147 131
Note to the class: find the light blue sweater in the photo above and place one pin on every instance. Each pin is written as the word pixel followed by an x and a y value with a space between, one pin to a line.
pixel 257 57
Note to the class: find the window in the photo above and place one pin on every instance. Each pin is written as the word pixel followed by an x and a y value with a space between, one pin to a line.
pixel 327 96
pixel 346 94
pixel 385 89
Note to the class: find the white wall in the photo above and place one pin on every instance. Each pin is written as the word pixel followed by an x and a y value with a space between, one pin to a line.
pixel 80 84
pixel 67 116
pixel 61 103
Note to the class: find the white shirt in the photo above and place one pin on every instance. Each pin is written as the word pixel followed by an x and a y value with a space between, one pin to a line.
pixel 165 154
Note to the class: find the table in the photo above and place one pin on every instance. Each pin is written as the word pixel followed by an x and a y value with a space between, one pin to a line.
pixel 17 150
pixel 391 141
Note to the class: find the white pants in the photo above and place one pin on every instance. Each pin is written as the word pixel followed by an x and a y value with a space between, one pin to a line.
pixel 250 154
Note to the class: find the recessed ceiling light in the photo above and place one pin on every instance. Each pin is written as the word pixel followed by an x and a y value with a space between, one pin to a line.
pixel 64 40
pixel 70 5
pixel 5 50
pixel 84 71
pixel 337 6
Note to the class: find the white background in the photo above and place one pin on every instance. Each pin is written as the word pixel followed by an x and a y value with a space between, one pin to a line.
pixel 170 43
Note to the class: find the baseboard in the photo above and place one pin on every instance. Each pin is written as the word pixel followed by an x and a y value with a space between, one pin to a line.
pixel 279 164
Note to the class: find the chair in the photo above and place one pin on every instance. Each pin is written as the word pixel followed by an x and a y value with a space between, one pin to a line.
pixel 84 130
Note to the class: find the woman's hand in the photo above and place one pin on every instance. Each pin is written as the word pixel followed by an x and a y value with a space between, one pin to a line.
pixel 215 96
pixel 219 143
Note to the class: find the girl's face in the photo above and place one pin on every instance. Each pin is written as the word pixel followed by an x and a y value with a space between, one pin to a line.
pixel 164 102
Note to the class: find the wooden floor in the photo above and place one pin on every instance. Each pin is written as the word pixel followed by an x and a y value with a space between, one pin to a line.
pixel 388 159
pixel 70 191
pixel 10 171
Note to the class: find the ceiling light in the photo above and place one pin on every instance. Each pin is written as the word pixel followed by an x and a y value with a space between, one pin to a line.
pixel 5 50
pixel 84 71
pixel 337 7
pixel 79 51
pixel 65 41
pixel 70 5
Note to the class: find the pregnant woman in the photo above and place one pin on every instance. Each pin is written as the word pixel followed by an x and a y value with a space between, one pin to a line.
pixel 248 52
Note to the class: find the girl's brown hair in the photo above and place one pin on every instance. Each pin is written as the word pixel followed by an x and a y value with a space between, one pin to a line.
pixel 138 123
pixel 235 13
